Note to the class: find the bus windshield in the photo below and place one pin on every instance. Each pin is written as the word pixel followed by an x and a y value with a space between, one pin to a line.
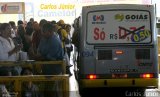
pixel 119 27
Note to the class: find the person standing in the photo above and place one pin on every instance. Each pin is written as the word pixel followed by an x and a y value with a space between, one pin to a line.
pixel 68 43
pixel 50 49
pixel 8 51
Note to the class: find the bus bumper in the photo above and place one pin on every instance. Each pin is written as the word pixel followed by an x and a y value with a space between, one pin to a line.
pixel 139 82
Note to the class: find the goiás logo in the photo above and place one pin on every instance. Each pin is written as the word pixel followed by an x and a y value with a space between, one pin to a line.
pixel 119 17
pixel 131 17
pixel 98 19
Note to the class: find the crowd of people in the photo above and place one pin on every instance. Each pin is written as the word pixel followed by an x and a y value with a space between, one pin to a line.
pixel 46 40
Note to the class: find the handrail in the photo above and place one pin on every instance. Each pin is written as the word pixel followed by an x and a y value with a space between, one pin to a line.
pixel 18 80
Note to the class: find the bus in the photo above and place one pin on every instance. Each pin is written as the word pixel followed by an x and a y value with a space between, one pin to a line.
pixel 118 47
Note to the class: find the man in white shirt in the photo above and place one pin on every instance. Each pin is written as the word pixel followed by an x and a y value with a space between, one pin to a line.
pixel 8 51
pixel 5 47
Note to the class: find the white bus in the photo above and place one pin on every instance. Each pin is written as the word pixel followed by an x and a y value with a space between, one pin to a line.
pixel 118 47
